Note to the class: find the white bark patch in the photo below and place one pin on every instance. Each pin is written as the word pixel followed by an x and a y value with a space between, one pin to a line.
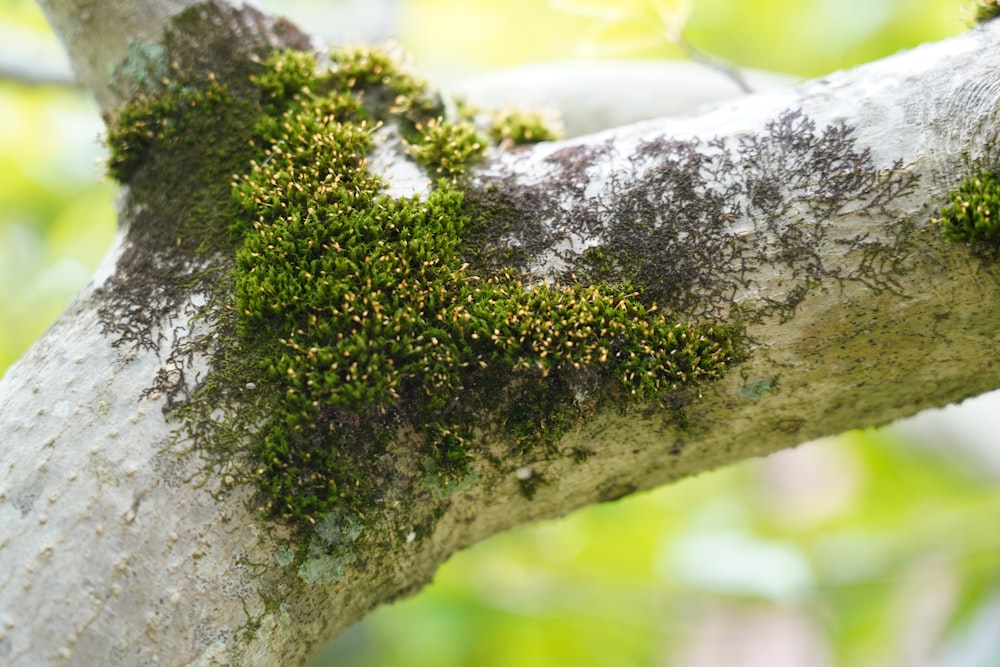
pixel 402 176
pixel 94 504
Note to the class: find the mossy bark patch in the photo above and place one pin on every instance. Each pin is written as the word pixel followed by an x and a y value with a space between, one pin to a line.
pixel 973 215
pixel 987 10
pixel 699 226
pixel 352 319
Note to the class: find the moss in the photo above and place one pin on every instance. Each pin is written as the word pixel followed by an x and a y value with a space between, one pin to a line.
pixel 160 122
pixel 445 486
pixel 973 216
pixel 987 10
pixel 188 135
pixel 508 128
pixel 517 128
pixel 446 148
pixel 351 317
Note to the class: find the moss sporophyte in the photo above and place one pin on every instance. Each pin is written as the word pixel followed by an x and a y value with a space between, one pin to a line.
pixel 354 316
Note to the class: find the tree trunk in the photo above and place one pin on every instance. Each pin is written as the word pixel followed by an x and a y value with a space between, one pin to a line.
pixel 801 220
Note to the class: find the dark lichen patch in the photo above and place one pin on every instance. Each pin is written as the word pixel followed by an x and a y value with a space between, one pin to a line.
pixel 348 320
pixel 507 219
pixel 679 239
pixel 691 224
pixel 973 216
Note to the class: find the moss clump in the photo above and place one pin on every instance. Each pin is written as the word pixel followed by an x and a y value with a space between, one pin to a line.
pixel 987 10
pixel 516 127
pixel 973 216
pixel 354 316
pixel 365 311
pixel 161 122
pixel 446 148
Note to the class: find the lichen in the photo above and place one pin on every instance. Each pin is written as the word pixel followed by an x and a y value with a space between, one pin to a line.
pixel 143 70
pixel 696 224
pixel 329 549
pixel 284 555
pixel 757 388
pixel 351 318
pixel 973 216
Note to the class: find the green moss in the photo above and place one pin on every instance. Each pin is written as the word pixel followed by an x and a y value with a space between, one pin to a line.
pixel 973 216
pixel 507 128
pixel 987 10
pixel 177 146
pixel 517 127
pixel 161 122
pixel 446 148
pixel 445 486
pixel 352 317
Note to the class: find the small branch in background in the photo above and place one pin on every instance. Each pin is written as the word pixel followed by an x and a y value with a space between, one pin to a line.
pixel 32 56
pixel 15 70
pixel 714 62
pixel 673 24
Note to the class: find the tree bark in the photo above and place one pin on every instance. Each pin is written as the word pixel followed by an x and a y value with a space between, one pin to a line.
pixel 804 215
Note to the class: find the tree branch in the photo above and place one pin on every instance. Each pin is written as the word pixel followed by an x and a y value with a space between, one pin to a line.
pixel 112 43
pixel 801 218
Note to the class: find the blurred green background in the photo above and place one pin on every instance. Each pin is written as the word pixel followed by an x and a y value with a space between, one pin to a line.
pixel 877 548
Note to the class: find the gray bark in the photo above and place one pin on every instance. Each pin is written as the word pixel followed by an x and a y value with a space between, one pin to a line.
pixel 806 213
pixel 98 33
